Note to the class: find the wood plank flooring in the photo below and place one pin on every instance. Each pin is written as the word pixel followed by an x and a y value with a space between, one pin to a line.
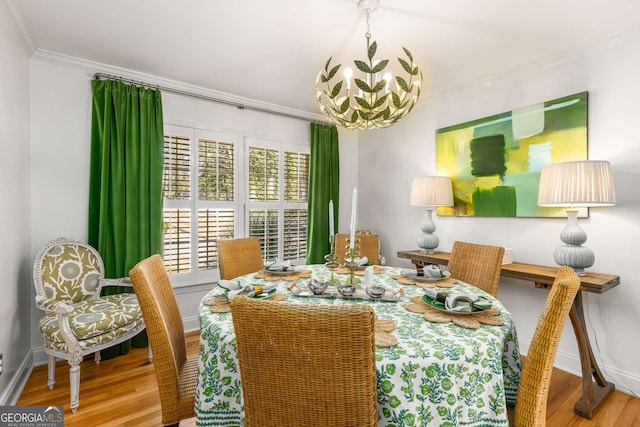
pixel 123 392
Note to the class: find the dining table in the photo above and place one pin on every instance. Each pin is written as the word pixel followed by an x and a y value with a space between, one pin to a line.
pixel 434 367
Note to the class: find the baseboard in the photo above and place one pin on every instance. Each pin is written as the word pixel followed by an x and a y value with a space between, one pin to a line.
pixel 624 381
pixel 191 323
pixel 18 382
pixel 39 356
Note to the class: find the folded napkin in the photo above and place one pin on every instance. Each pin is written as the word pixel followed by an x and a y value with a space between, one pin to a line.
pixel 368 276
pixel 278 265
pixel 361 261
pixel 458 301
pixel 232 289
pixel 431 271
pixel 434 271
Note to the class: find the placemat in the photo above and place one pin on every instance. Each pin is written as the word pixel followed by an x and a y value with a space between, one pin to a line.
pixel 382 336
pixel 469 321
pixel 384 339
pixel 302 274
pixel 220 303
pixel 445 282
pixel 358 272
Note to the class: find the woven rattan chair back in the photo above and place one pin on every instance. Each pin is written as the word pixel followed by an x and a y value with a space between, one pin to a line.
pixel 238 257
pixel 531 400
pixel 176 374
pixel 306 365
pixel 478 265
pixel 369 246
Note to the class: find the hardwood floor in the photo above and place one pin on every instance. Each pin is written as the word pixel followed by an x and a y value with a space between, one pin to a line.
pixel 123 392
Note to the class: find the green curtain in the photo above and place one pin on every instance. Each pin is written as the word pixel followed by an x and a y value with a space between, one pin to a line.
pixel 324 185
pixel 125 184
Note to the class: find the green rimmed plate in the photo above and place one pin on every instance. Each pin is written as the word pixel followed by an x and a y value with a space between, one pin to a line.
pixel 440 306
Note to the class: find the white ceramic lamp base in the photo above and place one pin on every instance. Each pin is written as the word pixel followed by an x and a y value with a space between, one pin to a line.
pixel 572 253
pixel 427 241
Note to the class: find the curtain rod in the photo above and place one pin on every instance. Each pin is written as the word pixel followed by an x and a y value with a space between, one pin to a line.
pixel 239 106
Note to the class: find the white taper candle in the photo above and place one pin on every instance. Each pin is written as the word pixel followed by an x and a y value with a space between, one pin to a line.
pixel 354 204
pixel 330 219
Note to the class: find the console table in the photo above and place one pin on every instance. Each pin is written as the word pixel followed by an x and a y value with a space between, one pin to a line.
pixel 593 393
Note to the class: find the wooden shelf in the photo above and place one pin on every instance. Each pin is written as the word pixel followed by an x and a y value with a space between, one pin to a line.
pixel 593 393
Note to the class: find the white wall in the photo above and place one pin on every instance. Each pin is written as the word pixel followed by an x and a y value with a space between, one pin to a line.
pixel 15 260
pixel 609 71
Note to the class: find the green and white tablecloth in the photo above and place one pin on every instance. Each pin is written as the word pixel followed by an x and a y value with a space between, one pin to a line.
pixel 439 374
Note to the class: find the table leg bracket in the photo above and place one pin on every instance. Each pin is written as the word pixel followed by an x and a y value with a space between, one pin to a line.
pixel 587 405
pixel 595 393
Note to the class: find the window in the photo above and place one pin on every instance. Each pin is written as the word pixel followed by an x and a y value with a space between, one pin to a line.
pixel 216 187
pixel 277 199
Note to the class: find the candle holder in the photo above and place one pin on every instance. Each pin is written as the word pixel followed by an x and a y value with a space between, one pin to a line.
pixel 351 263
pixel 332 261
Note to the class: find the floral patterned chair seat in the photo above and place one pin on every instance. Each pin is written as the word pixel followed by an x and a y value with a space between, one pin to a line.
pixel 69 277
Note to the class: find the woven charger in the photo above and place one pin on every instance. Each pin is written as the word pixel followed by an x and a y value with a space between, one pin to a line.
pixel 220 303
pixel 469 321
pixel 382 336
pixel 269 277
pixel 358 271
pixel 446 282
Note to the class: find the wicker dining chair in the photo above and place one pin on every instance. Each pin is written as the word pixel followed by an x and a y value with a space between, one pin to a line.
pixel 531 400
pixel 478 265
pixel 238 257
pixel 306 365
pixel 176 374
pixel 369 246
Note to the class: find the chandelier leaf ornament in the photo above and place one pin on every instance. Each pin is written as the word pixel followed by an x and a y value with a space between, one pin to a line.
pixel 374 102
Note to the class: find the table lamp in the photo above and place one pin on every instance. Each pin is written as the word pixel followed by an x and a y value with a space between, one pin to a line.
pixel 430 191
pixel 574 185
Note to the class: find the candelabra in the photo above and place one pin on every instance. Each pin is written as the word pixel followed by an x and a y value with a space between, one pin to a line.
pixel 332 260
pixel 353 252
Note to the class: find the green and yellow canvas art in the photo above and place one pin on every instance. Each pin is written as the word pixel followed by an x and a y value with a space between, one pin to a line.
pixel 494 162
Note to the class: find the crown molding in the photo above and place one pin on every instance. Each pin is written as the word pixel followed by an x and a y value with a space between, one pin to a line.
pixel 92 67
pixel 611 41
pixel 19 24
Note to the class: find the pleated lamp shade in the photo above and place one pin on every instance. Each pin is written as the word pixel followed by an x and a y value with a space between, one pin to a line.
pixel 431 191
pixel 577 184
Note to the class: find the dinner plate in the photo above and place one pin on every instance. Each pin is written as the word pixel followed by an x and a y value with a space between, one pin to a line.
pixel 288 272
pixel 440 306
pixel 265 294
pixel 422 278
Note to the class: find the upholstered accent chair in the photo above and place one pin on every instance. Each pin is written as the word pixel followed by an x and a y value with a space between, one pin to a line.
pixel 68 277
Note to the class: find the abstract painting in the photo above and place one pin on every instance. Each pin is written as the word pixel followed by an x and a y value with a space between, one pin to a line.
pixel 494 162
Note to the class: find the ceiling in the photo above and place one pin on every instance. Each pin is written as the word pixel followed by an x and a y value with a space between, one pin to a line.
pixel 272 50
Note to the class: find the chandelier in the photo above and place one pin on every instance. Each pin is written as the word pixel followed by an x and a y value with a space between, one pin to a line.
pixel 374 102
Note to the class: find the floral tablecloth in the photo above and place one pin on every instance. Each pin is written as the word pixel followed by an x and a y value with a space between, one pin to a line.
pixel 439 374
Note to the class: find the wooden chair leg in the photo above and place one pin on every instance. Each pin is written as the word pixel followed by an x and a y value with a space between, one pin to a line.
pixel 51 378
pixel 97 357
pixel 74 383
